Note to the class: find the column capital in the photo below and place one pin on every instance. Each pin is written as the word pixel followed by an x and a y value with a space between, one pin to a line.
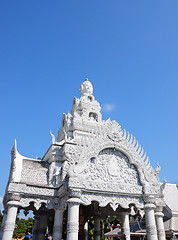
pixel 149 206
pixel 75 193
pixel 13 203
pixel 159 208
pixel 75 201
pixel 149 198
pixel 159 214
pixel 59 208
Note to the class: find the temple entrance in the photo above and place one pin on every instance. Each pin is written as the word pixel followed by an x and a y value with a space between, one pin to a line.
pixel 95 169
pixel 96 221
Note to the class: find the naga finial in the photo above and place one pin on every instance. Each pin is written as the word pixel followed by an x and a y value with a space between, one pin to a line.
pixel 53 137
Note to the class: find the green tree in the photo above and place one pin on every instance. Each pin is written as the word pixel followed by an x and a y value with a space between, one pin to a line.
pixel 22 227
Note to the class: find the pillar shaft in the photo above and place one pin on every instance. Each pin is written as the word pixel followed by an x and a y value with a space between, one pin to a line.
pixel 58 222
pixel 150 222
pixel 42 225
pixel 9 223
pixel 160 225
pixel 73 219
pixel 96 228
pixel 86 230
pixel 125 225
pixel 36 226
pixel 3 223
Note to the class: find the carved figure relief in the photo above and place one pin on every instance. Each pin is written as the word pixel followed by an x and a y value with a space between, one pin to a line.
pixel 55 174
pixel 102 162
pixel 109 171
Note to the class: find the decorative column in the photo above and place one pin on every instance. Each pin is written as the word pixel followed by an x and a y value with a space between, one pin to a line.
pixel 73 218
pixel 102 229
pixel 97 227
pixel 86 230
pixel 9 224
pixel 3 222
pixel 58 223
pixel 125 225
pixel 150 221
pixel 159 223
pixel 35 230
pixel 42 224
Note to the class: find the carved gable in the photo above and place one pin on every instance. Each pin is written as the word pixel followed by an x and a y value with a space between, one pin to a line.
pixel 110 171
pixel 92 159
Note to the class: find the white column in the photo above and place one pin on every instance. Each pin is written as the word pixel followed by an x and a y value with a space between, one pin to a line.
pixel 35 230
pixel 42 225
pixel 97 227
pixel 3 222
pixel 125 225
pixel 73 219
pixel 58 222
pixel 159 223
pixel 150 222
pixel 86 230
pixel 9 224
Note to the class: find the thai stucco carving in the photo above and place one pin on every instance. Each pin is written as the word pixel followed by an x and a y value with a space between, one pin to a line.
pixel 113 201
pixel 92 160
pixel 55 174
pixel 110 171
pixel 25 202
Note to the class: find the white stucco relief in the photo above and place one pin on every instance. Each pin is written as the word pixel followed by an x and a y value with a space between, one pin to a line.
pixel 25 202
pixel 110 171
pixel 113 201
pixel 92 160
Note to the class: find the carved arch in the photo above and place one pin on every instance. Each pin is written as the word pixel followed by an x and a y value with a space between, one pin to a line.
pixel 25 202
pixel 147 178
pixel 113 201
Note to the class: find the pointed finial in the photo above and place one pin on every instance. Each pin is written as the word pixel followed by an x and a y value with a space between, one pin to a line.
pixel 15 145
pixel 86 88
pixel 14 150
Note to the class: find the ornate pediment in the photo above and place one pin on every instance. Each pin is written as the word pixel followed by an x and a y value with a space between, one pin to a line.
pixel 110 171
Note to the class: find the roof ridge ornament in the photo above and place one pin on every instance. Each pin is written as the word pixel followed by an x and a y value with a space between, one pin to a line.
pixel 53 137
pixel 86 88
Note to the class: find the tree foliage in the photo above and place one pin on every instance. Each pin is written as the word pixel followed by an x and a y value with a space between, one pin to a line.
pixel 22 227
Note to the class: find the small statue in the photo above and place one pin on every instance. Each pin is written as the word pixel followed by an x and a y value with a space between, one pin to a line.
pixel 157 170
pixel 65 134
pixel 163 184
pixel 53 137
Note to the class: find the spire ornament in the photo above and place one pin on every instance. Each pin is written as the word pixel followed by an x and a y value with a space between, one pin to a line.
pixel 86 88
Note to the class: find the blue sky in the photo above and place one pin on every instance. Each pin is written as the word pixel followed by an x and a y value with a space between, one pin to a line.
pixel 128 50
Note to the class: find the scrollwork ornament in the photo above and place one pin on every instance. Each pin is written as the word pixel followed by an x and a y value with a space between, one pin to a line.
pixel 113 201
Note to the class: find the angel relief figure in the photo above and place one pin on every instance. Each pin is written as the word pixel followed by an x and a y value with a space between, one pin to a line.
pixel 55 174
pixel 113 167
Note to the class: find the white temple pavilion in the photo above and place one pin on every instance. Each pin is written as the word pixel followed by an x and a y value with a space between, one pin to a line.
pixel 94 167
